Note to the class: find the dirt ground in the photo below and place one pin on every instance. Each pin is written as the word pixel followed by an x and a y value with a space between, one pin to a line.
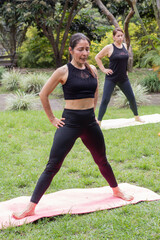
pixel 58 104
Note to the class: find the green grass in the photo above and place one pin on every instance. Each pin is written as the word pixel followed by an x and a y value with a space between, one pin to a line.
pixel 133 152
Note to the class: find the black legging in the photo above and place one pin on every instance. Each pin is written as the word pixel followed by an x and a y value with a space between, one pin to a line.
pixel 107 92
pixel 78 123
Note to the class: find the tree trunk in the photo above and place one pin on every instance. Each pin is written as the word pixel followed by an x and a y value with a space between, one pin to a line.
pixel 127 37
pixel 58 60
pixel 156 8
pixel 109 15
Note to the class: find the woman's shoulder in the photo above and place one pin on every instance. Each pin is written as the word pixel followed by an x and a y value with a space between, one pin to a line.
pixel 107 47
pixel 62 70
pixel 61 74
pixel 125 45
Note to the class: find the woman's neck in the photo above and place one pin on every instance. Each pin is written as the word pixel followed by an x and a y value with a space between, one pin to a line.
pixel 78 65
pixel 118 45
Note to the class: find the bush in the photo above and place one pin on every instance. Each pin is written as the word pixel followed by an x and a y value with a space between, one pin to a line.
pixel 36 51
pixel 2 70
pixel 21 101
pixel 140 93
pixel 33 82
pixel 152 83
pixel 11 80
pixel 96 47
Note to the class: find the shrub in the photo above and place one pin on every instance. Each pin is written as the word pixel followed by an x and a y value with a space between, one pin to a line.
pixel 2 70
pixel 21 101
pixel 151 82
pixel 11 80
pixel 96 47
pixel 36 51
pixel 33 82
pixel 140 93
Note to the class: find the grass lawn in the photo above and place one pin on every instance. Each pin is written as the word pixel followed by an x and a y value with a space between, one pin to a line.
pixel 134 154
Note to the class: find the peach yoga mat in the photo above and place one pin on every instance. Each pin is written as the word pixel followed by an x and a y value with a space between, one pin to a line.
pixel 72 201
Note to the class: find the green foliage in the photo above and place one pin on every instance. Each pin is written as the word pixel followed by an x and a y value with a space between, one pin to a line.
pixel 2 70
pixel 96 47
pixel 140 44
pixel 53 18
pixel 152 82
pixel 90 22
pixel 36 51
pixel 151 58
pixel 21 101
pixel 11 80
pixel 33 82
pixel 140 93
pixel 12 29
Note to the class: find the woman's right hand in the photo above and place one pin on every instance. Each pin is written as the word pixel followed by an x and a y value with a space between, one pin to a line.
pixel 108 71
pixel 58 122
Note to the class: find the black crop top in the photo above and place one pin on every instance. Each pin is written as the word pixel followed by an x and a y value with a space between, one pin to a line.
pixel 118 63
pixel 80 84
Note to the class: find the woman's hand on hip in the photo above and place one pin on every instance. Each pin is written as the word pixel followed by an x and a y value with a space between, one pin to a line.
pixel 108 71
pixel 58 122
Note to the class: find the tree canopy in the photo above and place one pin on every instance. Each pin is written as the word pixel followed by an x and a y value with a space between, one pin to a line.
pixel 56 20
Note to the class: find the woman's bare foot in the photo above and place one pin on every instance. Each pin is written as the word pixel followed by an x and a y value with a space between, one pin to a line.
pixel 117 192
pixel 28 211
pixel 138 119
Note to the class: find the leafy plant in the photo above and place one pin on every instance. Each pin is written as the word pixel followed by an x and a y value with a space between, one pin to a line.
pixel 152 82
pixel 140 93
pixel 151 58
pixel 96 47
pixel 11 80
pixel 21 101
pixel 36 51
pixel 33 82
pixel 2 70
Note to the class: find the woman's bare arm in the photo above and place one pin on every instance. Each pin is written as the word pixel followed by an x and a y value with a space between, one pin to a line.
pixel 59 76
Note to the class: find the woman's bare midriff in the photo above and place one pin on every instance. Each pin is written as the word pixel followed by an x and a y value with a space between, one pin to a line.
pixel 80 104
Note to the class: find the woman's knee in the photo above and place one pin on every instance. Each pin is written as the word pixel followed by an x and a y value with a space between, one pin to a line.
pixel 105 101
pixel 53 166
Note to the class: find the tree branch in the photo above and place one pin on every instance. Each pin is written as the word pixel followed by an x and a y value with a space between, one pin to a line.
pixel 109 15
pixel 61 21
pixel 126 26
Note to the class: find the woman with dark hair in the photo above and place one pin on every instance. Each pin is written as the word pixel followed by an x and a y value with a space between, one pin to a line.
pixel 116 74
pixel 80 87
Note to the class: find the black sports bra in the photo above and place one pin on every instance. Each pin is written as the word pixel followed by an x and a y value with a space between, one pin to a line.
pixel 80 83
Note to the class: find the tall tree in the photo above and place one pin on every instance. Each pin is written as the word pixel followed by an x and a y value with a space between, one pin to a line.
pixel 12 31
pixel 54 18
pixel 156 7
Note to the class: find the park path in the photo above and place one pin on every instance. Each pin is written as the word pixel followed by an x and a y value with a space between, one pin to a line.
pixel 58 104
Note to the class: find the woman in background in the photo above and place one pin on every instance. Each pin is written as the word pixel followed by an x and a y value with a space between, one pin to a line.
pixel 116 74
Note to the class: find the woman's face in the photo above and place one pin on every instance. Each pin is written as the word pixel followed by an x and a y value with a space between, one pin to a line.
pixel 119 37
pixel 80 52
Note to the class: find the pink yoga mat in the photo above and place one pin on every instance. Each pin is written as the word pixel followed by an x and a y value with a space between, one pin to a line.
pixel 72 201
